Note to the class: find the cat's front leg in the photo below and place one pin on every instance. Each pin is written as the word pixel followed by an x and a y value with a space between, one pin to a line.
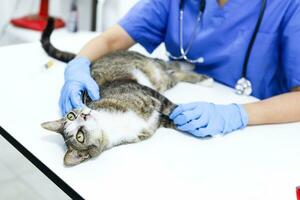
pixel 145 134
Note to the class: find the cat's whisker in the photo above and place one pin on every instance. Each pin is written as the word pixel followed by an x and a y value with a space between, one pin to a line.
pixel 68 137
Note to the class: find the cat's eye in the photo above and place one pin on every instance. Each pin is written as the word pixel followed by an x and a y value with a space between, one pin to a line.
pixel 71 116
pixel 80 136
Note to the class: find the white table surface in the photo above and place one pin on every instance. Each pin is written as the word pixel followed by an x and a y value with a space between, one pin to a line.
pixel 258 163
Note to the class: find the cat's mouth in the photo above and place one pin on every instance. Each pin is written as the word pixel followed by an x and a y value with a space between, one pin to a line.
pixel 86 115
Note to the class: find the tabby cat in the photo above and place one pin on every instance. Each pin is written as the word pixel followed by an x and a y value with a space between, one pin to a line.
pixel 131 107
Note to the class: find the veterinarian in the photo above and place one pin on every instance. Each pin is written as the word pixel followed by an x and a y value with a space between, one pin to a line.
pixel 216 36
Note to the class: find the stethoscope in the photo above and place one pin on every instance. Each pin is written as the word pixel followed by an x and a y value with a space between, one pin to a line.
pixel 243 85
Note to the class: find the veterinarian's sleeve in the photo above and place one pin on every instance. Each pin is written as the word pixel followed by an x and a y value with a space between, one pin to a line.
pixel 291 46
pixel 146 22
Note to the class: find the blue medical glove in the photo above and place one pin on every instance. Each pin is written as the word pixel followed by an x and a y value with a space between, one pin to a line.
pixel 77 80
pixel 207 119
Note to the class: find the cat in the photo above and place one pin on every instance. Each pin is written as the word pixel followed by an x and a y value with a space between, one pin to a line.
pixel 131 107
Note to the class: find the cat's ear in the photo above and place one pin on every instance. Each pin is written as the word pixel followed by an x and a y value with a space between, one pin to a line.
pixel 94 151
pixel 74 157
pixel 56 126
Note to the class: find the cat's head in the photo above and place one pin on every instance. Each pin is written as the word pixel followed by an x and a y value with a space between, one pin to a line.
pixel 82 135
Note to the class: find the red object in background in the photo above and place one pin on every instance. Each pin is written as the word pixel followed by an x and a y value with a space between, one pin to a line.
pixel 37 22
pixel 298 192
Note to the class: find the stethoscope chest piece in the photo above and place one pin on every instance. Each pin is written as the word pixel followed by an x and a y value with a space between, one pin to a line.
pixel 243 87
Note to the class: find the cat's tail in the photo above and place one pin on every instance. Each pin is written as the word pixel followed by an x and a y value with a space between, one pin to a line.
pixel 49 48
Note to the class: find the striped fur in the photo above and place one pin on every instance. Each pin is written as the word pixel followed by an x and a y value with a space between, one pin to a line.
pixel 131 107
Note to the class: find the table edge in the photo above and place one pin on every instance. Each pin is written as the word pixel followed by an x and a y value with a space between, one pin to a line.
pixel 41 166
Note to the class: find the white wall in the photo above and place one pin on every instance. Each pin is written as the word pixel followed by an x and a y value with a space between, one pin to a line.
pixel 113 11
pixel 14 8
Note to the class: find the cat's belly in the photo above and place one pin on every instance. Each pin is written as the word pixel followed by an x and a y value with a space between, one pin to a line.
pixel 125 127
pixel 142 78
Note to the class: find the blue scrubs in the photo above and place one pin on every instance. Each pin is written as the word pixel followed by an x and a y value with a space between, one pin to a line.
pixel 223 38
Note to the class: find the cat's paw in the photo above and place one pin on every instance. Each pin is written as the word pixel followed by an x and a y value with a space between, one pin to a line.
pixel 209 82
pixel 144 135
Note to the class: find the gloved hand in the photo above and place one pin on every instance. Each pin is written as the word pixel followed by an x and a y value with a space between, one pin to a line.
pixel 207 119
pixel 77 80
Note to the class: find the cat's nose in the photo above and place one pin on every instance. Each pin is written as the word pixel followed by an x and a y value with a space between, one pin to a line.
pixel 85 113
pixel 84 116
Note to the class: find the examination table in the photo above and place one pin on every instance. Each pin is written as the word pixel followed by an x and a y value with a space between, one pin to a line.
pixel 256 163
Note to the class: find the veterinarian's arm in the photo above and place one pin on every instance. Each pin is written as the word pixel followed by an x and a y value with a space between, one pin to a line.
pixel 203 119
pixel 284 108
pixel 115 38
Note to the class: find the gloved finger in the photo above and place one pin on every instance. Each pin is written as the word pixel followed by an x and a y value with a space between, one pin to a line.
pixel 93 90
pixel 194 124
pixel 181 108
pixel 67 106
pixel 181 119
pixel 75 99
pixel 62 99
pixel 198 133
pixel 61 104
pixel 188 116
pixel 203 132
pixel 202 121
pixel 188 126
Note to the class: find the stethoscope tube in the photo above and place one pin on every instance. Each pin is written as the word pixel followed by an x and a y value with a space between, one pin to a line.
pixel 183 51
pixel 243 85
pixel 201 6
pixel 253 38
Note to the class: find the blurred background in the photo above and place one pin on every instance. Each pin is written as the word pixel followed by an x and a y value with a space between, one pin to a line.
pixel 92 15
pixel 19 178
